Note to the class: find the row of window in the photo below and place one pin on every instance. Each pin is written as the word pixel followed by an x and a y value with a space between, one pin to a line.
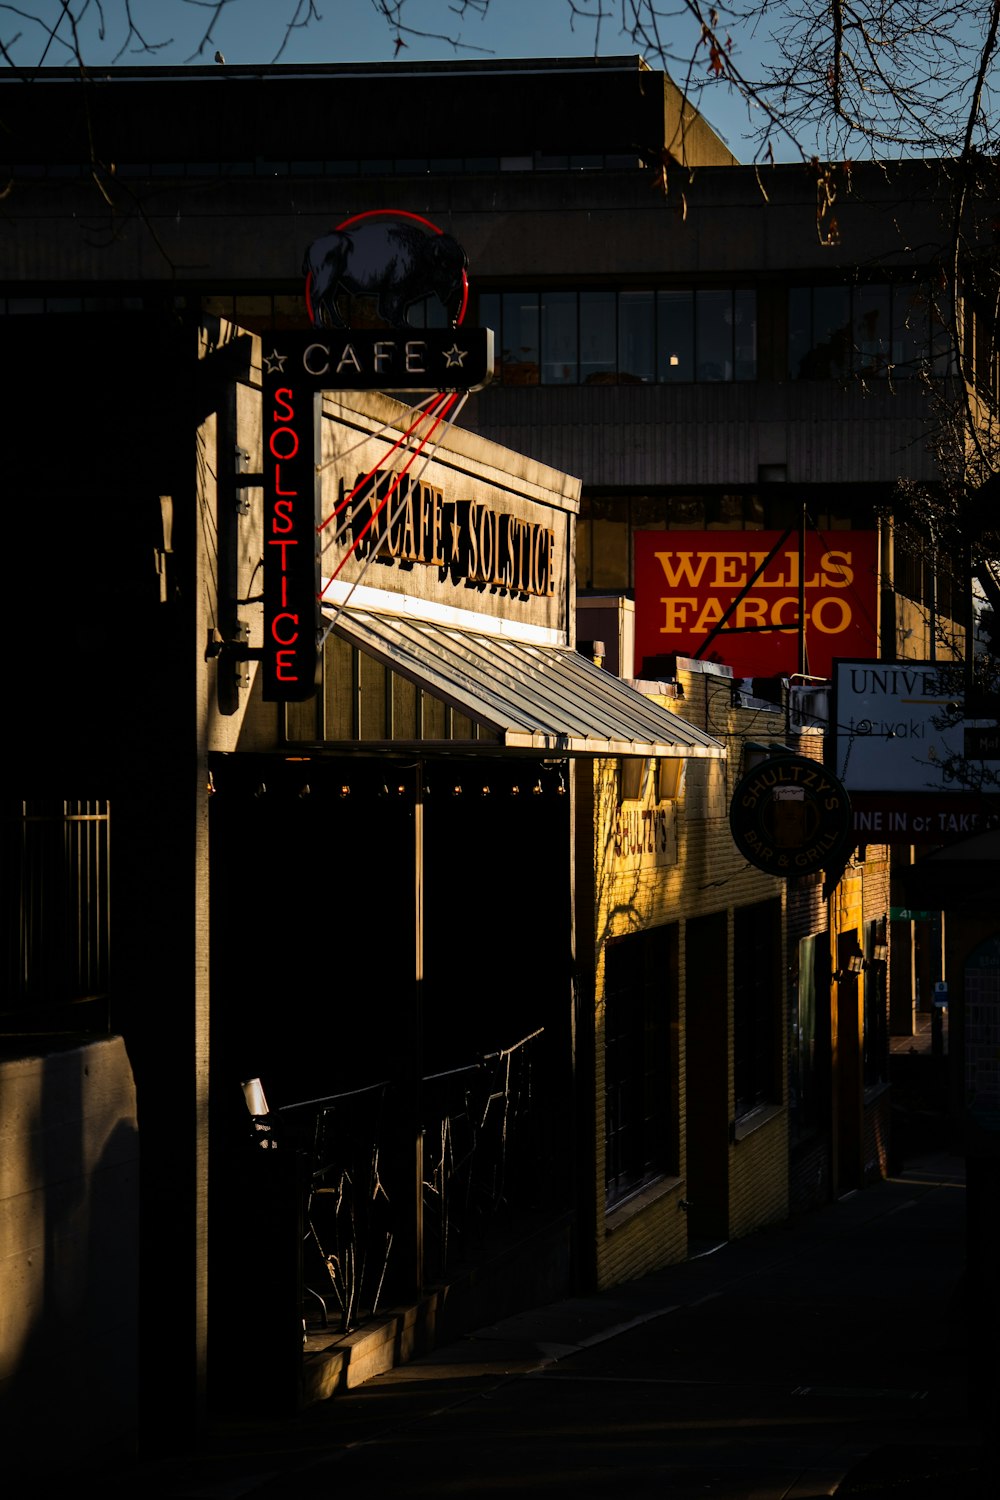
pixel 621 337
pixel 378 166
pixel 640 337
pixel 641 1006
pixel 875 329
pixel 641 997
pixel 644 337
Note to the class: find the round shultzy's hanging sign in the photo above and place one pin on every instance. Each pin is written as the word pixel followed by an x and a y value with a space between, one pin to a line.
pixel 789 816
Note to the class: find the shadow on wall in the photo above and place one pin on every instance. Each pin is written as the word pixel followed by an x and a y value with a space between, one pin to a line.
pixel 69 1178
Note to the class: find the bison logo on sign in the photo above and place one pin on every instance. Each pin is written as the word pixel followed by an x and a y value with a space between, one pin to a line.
pixel 379 266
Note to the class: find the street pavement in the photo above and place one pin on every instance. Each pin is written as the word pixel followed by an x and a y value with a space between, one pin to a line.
pixel 828 1355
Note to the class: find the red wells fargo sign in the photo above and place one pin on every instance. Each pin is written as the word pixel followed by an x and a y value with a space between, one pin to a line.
pixel 723 596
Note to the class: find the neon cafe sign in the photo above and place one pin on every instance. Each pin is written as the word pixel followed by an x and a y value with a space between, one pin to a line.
pixel 389 260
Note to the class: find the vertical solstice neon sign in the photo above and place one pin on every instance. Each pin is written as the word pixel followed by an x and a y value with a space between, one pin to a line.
pixel 291 544
pixel 401 262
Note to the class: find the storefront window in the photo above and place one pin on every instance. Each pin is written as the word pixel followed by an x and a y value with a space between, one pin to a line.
pixel 640 1004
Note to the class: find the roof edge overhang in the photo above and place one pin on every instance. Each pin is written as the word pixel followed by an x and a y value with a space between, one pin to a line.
pixel 535 699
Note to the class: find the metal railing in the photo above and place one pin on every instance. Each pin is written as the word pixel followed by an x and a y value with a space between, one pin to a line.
pixel 478 1133
pixel 56 904
pixel 478 1144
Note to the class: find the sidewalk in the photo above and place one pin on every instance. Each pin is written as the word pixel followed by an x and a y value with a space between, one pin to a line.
pixel 863 1296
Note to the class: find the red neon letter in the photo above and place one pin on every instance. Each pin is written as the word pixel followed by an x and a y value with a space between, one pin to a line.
pixel 282 640
pixel 284 395
pixel 277 433
pixel 283 667
pixel 277 483
pixel 282 518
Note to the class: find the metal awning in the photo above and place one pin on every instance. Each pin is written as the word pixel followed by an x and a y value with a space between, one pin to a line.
pixel 533 696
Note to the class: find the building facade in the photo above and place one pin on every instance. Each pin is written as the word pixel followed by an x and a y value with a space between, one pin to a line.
pixel 544 889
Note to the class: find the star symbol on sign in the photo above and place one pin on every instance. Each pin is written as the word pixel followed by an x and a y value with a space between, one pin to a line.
pixel 455 356
pixel 275 362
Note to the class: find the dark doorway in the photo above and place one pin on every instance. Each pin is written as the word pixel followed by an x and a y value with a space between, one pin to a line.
pixel 706 966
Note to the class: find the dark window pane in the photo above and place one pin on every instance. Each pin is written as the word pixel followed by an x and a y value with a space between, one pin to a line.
pixel 640 989
pixel 799 328
pixel 675 335
pixel 597 337
pixel 745 334
pixel 714 335
pixel 756 1002
pixel 559 338
pixel 519 355
pixel 488 316
pixel 910 330
pixel 636 337
pixel 829 356
pixel 871 329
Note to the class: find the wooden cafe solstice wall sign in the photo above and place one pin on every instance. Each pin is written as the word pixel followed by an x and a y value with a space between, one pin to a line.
pixel 374 267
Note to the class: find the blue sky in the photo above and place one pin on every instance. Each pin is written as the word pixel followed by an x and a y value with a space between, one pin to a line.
pixel 252 31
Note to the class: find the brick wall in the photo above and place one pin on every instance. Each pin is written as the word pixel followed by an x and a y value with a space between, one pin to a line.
pixel 708 876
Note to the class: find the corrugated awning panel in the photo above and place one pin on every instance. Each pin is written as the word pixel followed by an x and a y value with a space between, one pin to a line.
pixel 539 697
